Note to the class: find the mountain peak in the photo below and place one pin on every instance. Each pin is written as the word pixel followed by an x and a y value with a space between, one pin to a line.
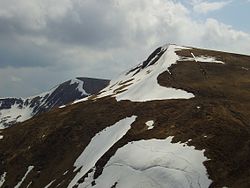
pixel 13 110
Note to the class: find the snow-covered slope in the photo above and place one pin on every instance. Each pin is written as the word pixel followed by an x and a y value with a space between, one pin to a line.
pixel 168 122
pixel 98 146
pixel 155 163
pixel 146 163
pixel 140 83
pixel 13 110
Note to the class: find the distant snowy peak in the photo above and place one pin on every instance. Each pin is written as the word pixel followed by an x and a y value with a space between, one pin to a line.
pixel 80 85
pixel 13 110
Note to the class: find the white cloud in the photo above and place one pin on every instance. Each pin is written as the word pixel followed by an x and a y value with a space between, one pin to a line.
pixel 204 7
pixel 33 14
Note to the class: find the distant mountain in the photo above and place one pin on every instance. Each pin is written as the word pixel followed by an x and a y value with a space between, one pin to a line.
pixel 13 110
pixel 179 119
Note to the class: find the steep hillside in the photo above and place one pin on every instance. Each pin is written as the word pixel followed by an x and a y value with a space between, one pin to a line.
pixel 179 119
pixel 13 110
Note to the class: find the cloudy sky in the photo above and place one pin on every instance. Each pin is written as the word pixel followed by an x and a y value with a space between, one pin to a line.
pixel 45 42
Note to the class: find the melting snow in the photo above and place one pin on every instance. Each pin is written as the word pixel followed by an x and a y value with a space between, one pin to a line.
pixel 144 86
pixel 99 145
pixel 150 124
pixel 28 171
pixel 2 179
pixel 155 163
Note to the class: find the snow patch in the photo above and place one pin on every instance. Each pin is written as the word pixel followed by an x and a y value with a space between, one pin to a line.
pixel 15 114
pixel 80 100
pixel 208 60
pixel 244 68
pixel 79 85
pixel 65 172
pixel 204 59
pixel 193 57
pixel 25 175
pixel 89 179
pixel 2 178
pixel 143 86
pixel 150 124
pixel 63 106
pixel 29 184
pixel 155 163
pixel 47 186
pixel 99 145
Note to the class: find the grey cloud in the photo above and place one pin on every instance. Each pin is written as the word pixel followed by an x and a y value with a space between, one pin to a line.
pixel 90 23
pixel 90 29
pixel 16 53
pixel 93 25
pixel 15 25
pixel 32 81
